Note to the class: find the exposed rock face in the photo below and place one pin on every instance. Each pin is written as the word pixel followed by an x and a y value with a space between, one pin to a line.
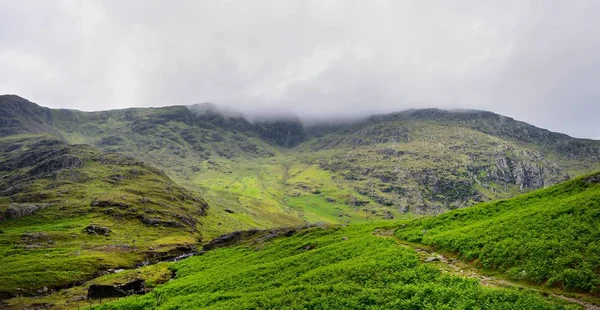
pixel 110 141
pixel 228 239
pixel 594 179
pixel 57 163
pixel 369 135
pixel 158 222
pixel 258 235
pixel 286 133
pixel 19 210
pixel 107 203
pixel 97 230
pixel 107 291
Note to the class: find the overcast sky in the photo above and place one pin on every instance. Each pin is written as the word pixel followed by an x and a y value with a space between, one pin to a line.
pixel 535 61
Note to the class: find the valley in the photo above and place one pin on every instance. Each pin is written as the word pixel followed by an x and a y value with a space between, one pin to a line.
pixel 86 193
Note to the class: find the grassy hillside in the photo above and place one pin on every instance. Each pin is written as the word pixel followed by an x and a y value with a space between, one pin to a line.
pixel 51 194
pixel 549 236
pixel 323 268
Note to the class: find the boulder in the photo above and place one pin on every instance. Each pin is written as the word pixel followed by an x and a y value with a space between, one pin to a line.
pixel 96 230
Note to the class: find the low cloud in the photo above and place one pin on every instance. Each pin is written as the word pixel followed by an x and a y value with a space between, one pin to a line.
pixel 534 61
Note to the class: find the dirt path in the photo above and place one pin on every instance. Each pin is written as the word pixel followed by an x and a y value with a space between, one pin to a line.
pixel 457 267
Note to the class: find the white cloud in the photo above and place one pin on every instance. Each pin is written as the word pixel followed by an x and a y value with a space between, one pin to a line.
pixel 535 61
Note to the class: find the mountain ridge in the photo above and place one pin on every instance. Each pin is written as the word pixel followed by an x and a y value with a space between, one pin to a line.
pixel 498 152
pixel 411 113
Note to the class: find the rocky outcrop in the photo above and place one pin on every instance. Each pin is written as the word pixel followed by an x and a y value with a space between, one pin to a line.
pixel 97 291
pixel 256 235
pixel 372 134
pixel 108 203
pixel 593 179
pixel 97 230
pixel 66 161
pixel 229 239
pixel 19 210
pixel 287 132
pixel 159 222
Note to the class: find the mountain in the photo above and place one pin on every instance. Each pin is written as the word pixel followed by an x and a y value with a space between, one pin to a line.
pixel 418 161
pixel 84 192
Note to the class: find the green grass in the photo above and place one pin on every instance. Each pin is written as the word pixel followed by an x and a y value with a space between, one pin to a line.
pixel 72 298
pixel 324 268
pixel 62 253
pixel 549 236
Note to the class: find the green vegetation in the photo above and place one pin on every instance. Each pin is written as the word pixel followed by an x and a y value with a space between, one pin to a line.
pixel 71 298
pixel 549 236
pixel 53 191
pixel 83 192
pixel 323 268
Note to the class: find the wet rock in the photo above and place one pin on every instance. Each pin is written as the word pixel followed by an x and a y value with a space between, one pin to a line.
pixel 97 230
pixel 106 291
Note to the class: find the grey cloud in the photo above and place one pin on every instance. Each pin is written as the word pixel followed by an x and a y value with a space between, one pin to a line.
pixel 535 61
